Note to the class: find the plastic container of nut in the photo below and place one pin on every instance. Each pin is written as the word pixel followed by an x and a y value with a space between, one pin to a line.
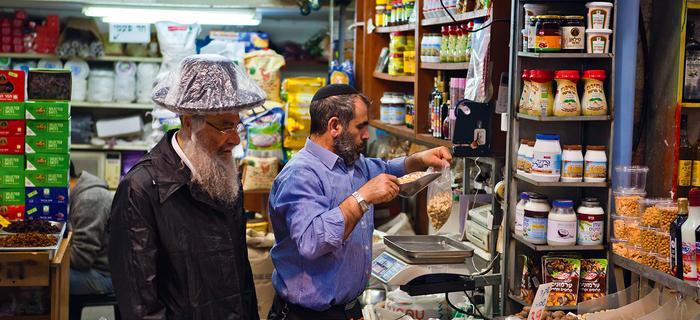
pixel 655 241
pixel 626 228
pixel 627 202
pixel 650 210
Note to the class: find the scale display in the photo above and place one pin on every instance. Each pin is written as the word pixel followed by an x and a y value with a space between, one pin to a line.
pixel 385 267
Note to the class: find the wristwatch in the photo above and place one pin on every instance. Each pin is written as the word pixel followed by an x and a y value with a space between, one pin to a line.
pixel 361 201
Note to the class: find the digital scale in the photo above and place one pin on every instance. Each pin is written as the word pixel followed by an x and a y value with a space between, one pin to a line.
pixel 422 265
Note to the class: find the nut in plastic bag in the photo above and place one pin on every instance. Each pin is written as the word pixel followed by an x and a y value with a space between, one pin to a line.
pixel 440 199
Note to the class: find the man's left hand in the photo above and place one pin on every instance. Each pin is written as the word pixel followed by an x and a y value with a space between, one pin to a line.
pixel 439 157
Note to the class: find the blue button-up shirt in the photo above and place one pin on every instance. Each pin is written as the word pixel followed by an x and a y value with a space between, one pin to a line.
pixel 314 267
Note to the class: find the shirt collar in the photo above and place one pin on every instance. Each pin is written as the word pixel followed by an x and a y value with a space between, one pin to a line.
pixel 181 153
pixel 327 157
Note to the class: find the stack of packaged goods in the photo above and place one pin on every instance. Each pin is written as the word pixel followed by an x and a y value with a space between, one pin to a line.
pixel 12 130
pixel 47 145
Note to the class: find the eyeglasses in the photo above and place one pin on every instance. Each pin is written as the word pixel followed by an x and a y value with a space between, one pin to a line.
pixel 230 131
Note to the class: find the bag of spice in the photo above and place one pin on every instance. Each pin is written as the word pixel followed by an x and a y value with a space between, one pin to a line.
pixel 564 273
pixel 593 277
pixel 440 199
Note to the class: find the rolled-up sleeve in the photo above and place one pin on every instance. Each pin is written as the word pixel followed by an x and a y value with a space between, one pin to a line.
pixel 315 226
pixel 394 167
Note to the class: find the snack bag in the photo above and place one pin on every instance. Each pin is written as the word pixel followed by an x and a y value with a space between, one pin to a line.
pixel 593 279
pixel 440 199
pixel 564 273
pixel 259 173
pixel 264 68
pixel 264 133
pixel 297 123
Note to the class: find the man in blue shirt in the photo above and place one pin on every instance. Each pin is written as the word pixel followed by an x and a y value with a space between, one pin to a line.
pixel 321 208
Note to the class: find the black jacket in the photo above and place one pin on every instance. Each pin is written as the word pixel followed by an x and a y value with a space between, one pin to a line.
pixel 175 253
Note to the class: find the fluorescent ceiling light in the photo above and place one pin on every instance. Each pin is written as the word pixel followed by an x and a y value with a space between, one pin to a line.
pixel 239 17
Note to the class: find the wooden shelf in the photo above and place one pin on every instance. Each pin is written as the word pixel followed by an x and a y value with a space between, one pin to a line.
pixel 525 304
pixel 89 147
pixel 458 18
pixel 667 280
pixel 546 248
pixel 444 66
pixel 386 76
pixel 111 105
pixel 561 184
pixel 103 58
pixel 430 140
pixel 562 119
pixel 400 131
pixel 564 55
pixel 405 27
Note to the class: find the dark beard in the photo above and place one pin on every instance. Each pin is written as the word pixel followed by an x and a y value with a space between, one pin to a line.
pixel 344 146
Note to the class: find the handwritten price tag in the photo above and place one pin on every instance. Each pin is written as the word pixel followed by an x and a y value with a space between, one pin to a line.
pixel 24 269
pixel 130 32
pixel 539 302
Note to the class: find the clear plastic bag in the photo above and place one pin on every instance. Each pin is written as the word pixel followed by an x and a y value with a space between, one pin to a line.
pixel 478 87
pixel 440 199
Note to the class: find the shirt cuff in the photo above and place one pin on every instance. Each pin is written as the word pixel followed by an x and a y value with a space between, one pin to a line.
pixel 396 167
pixel 334 227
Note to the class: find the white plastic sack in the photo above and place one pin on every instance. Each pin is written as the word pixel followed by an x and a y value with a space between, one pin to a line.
pixel 101 86
pixel 418 307
pixel 231 50
pixel 176 42
pixel 259 245
pixel 125 81
pixel 146 73
pixel 78 89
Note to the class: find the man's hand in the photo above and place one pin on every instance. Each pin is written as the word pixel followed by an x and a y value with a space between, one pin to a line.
pixel 439 157
pixel 382 188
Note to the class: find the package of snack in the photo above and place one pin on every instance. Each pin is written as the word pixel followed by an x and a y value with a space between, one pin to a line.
pixel 440 199
pixel 264 133
pixel 564 273
pixel 298 92
pixel 264 68
pixel 259 173
pixel 593 278
pixel 530 280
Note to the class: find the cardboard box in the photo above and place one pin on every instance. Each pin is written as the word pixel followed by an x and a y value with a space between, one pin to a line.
pixel 47 110
pixel 12 196
pixel 12 212
pixel 48 161
pixel 13 162
pixel 11 179
pixel 46 178
pixel 128 126
pixel 51 212
pixel 44 127
pixel 49 84
pixel 53 195
pixel 11 145
pixel 47 144
pixel 12 110
pixel 12 85
pixel 12 127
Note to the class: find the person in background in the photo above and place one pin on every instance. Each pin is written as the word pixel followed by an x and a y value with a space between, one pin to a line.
pixel 321 208
pixel 89 214
pixel 178 230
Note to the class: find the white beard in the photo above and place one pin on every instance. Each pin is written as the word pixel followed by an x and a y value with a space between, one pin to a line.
pixel 216 175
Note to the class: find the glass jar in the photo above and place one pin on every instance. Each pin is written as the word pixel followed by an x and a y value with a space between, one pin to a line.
pixel 397 42
pixel 385 107
pixel 536 212
pixel 410 105
pixel 561 224
pixel 573 34
pixel 380 6
pixel 444 44
pixel 548 34
pixel 532 35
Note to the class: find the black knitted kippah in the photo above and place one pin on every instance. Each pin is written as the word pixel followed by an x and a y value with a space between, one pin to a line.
pixel 334 90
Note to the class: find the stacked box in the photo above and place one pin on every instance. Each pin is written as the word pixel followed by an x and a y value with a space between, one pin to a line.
pixel 12 140
pixel 47 145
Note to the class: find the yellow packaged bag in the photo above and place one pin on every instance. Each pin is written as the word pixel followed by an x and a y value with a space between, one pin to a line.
pixel 298 92
pixel 264 68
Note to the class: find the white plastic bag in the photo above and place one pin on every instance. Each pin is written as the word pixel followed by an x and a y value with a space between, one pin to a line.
pixel 418 307
pixel 440 199
pixel 145 76
pixel 125 81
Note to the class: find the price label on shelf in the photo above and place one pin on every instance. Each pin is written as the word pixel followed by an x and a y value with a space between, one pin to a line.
pixel 130 32
pixel 540 301
pixel 24 269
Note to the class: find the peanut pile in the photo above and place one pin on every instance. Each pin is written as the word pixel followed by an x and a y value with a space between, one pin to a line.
pixel 659 217
pixel 439 209
pixel 654 261
pixel 412 177
pixel 655 241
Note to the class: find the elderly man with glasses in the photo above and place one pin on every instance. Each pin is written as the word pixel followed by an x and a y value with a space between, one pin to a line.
pixel 178 246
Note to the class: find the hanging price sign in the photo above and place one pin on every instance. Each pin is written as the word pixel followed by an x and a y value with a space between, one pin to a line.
pixel 130 32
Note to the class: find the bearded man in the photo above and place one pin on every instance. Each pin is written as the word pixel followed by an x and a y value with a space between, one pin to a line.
pixel 178 246
pixel 321 208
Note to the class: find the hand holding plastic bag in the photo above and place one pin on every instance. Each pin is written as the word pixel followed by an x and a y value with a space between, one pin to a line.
pixel 440 199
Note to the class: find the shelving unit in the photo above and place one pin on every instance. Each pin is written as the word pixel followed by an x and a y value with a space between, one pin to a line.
pixel 482 13
pixel 405 27
pixel 583 130
pixel 667 280
pixel 444 66
pixel 386 76
pixel 37 56
pixel 90 147
pixel 111 105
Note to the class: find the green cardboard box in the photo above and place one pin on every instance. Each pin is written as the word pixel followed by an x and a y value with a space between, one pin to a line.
pixel 46 144
pixel 48 161
pixel 12 162
pixel 47 110
pixel 46 178
pixel 12 110
pixel 14 196
pixel 11 179
pixel 44 127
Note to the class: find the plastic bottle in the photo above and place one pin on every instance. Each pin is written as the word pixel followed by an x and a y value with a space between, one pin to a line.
pixel 453 55
pixel 593 102
pixel 546 159
pixel 566 102
pixel 675 241
pixel 520 213
pixel 522 105
pixel 444 44
pixel 561 224
pixel 541 100
pixel 572 163
pixel 690 268
pixel 596 164
pixel 591 222
pixel 535 219
pixel 523 160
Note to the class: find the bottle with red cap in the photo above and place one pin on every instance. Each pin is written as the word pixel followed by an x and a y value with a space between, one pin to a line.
pixel 593 102
pixel 525 95
pixel 688 230
pixel 566 102
pixel 541 100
